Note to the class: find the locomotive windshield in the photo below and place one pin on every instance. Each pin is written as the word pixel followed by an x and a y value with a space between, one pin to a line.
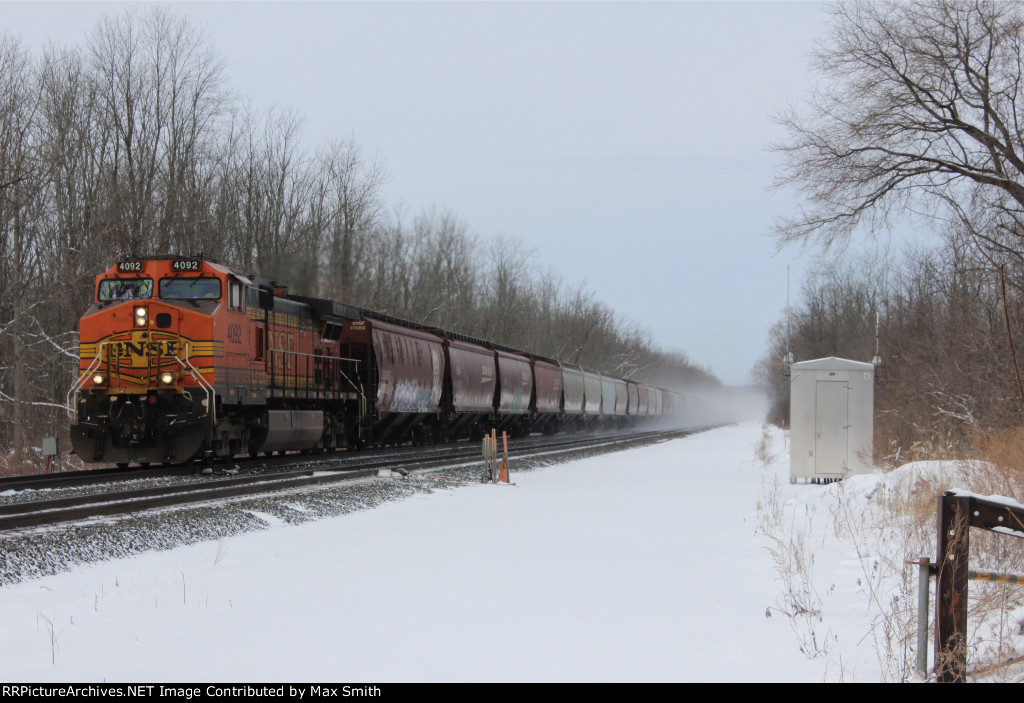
pixel 125 289
pixel 190 288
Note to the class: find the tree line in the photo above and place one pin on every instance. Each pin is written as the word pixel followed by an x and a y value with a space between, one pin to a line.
pixel 947 372
pixel 133 143
pixel 916 115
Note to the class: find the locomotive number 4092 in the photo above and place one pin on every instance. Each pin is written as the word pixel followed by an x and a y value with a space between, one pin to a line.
pixel 185 265
pixel 129 266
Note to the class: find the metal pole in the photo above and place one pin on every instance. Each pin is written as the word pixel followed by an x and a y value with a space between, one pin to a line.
pixel 485 478
pixel 923 579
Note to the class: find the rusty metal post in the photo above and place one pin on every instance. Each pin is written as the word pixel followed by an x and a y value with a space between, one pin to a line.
pixel 503 468
pixel 951 589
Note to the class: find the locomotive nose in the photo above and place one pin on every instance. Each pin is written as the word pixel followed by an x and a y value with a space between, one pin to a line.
pixel 142 354
pixel 163 320
pixel 153 315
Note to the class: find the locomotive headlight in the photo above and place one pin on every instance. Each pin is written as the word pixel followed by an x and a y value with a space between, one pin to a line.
pixel 167 378
pixel 141 317
pixel 99 379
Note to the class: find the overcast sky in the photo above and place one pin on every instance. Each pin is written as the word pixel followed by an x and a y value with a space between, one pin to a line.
pixel 623 142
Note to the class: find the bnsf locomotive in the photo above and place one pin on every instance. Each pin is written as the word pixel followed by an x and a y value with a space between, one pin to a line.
pixel 183 358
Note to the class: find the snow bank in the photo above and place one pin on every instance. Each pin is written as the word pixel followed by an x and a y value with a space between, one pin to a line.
pixel 688 560
pixel 638 566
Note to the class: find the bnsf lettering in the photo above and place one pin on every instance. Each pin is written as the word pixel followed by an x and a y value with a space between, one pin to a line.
pixel 123 349
pixel 235 334
pixel 282 341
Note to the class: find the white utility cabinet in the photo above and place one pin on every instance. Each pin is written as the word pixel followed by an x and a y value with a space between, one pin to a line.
pixel 831 418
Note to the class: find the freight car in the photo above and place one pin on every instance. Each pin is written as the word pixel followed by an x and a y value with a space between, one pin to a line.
pixel 184 357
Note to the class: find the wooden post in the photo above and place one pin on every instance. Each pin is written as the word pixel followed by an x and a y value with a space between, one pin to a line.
pixel 494 454
pixel 951 589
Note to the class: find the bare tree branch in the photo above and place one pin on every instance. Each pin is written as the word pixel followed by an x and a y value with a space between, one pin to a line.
pixel 923 104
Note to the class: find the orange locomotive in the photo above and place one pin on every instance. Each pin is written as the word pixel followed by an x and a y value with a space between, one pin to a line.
pixel 182 357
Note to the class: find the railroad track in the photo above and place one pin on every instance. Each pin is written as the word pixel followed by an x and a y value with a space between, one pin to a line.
pixel 79 479
pixel 72 480
pixel 311 471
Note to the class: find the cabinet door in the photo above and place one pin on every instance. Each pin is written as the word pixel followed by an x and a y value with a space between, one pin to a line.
pixel 831 432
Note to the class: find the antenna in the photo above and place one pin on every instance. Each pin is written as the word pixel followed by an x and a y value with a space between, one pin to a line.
pixel 787 359
pixel 877 361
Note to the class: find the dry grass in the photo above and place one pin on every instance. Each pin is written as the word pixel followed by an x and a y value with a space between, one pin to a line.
pixel 889 587
pixel 996 614
pixel 762 448
pixel 793 557
pixel 996 611
pixel 14 465
pixel 1003 452
pixel 31 463
pixel 893 524
pixel 800 603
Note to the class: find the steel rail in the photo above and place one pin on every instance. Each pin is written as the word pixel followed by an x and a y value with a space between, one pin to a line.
pixel 17 516
pixel 82 478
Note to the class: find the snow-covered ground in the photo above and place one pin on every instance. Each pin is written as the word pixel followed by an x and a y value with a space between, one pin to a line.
pixel 647 565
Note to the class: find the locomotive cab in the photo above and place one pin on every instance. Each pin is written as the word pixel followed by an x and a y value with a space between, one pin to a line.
pixel 185 357
pixel 147 354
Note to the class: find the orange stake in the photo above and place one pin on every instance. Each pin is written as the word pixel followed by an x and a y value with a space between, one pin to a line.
pixel 503 471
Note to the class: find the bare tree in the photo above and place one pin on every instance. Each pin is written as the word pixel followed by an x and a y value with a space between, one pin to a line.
pixel 947 372
pixel 352 193
pixel 161 89
pixel 279 181
pixel 920 107
pixel 133 145
pixel 447 270
pixel 21 175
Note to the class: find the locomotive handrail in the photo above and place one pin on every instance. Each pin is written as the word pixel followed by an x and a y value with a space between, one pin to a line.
pixel 211 393
pixel 72 408
pixel 358 389
pixel 114 369
pixel 318 356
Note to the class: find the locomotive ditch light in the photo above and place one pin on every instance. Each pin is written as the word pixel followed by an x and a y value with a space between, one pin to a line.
pixel 99 379
pixel 167 378
pixel 141 317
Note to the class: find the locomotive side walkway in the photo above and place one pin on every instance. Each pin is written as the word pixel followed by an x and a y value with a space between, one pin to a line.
pixel 641 565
